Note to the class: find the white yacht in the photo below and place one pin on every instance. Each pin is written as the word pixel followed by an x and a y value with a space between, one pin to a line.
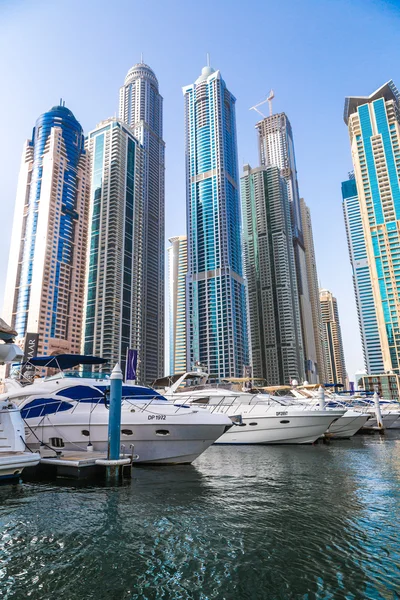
pixel 14 455
pixel 345 427
pixel 69 411
pixel 355 404
pixel 390 412
pixel 264 419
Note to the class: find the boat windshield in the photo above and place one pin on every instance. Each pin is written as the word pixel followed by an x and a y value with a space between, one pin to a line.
pixel 78 375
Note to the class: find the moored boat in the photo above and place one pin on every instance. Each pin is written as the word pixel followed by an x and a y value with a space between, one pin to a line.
pixel 69 411
pixel 264 419
pixel 14 455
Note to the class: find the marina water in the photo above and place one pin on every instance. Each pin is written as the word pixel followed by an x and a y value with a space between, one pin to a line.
pixel 241 522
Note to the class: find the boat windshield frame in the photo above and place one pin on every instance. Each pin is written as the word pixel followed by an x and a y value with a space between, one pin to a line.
pixel 71 374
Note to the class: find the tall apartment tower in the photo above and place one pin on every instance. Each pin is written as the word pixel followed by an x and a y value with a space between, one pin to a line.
pixel 313 288
pixel 46 271
pixel 276 147
pixel 177 271
pixel 274 312
pixel 217 325
pixel 363 290
pixel 114 319
pixel 374 128
pixel 140 106
pixel 332 337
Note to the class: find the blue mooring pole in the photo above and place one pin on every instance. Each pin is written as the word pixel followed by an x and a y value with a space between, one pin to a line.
pixel 114 417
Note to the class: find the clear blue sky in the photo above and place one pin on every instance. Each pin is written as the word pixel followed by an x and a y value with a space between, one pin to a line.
pixel 311 52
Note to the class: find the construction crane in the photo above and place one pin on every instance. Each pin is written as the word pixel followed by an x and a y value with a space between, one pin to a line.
pixel 269 99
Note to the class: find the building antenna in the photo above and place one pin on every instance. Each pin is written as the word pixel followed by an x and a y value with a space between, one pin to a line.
pixel 269 99
pixel 208 59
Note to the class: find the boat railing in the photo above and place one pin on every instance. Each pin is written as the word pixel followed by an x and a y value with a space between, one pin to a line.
pixel 61 404
pixel 226 402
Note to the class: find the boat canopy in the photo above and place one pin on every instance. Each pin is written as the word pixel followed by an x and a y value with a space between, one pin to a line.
pixel 65 361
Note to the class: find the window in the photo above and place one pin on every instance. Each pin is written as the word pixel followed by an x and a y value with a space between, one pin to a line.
pixel 56 442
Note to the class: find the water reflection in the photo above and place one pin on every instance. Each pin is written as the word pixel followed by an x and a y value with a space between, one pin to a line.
pixel 243 522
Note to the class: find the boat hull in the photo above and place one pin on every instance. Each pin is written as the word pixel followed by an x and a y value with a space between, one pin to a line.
pixel 13 463
pixel 265 430
pixel 395 424
pixel 347 425
pixel 164 441
pixel 388 419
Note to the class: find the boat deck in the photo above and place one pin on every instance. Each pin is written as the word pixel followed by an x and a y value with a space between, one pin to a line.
pixel 74 459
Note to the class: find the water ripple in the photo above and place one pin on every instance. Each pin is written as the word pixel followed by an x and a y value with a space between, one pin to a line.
pixel 242 523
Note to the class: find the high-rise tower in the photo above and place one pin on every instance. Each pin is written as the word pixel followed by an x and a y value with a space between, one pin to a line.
pixel 332 338
pixel 140 107
pixel 274 312
pixel 217 328
pixel 114 320
pixel 177 270
pixel 361 279
pixel 46 272
pixel 374 128
pixel 313 288
pixel 276 148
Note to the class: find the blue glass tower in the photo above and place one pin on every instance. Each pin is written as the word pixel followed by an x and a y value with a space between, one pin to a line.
pixel 46 276
pixel 374 128
pixel 361 279
pixel 216 300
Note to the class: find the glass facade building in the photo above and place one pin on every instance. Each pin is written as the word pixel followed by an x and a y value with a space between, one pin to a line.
pixel 361 278
pixel 114 319
pixel 374 128
pixel 332 339
pixel 141 107
pixel 46 274
pixel 177 272
pixel 313 289
pixel 276 148
pixel 216 299
pixel 274 311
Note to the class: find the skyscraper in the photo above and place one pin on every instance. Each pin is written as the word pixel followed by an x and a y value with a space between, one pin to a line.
pixel 274 312
pixel 374 128
pixel 46 272
pixel 140 107
pixel 177 269
pixel 361 279
pixel 276 147
pixel 217 328
pixel 332 338
pixel 313 288
pixel 114 316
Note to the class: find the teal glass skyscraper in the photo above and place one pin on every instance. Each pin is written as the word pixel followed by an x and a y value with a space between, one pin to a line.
pixel 374 128
pixel 216 298
pixel 361 278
